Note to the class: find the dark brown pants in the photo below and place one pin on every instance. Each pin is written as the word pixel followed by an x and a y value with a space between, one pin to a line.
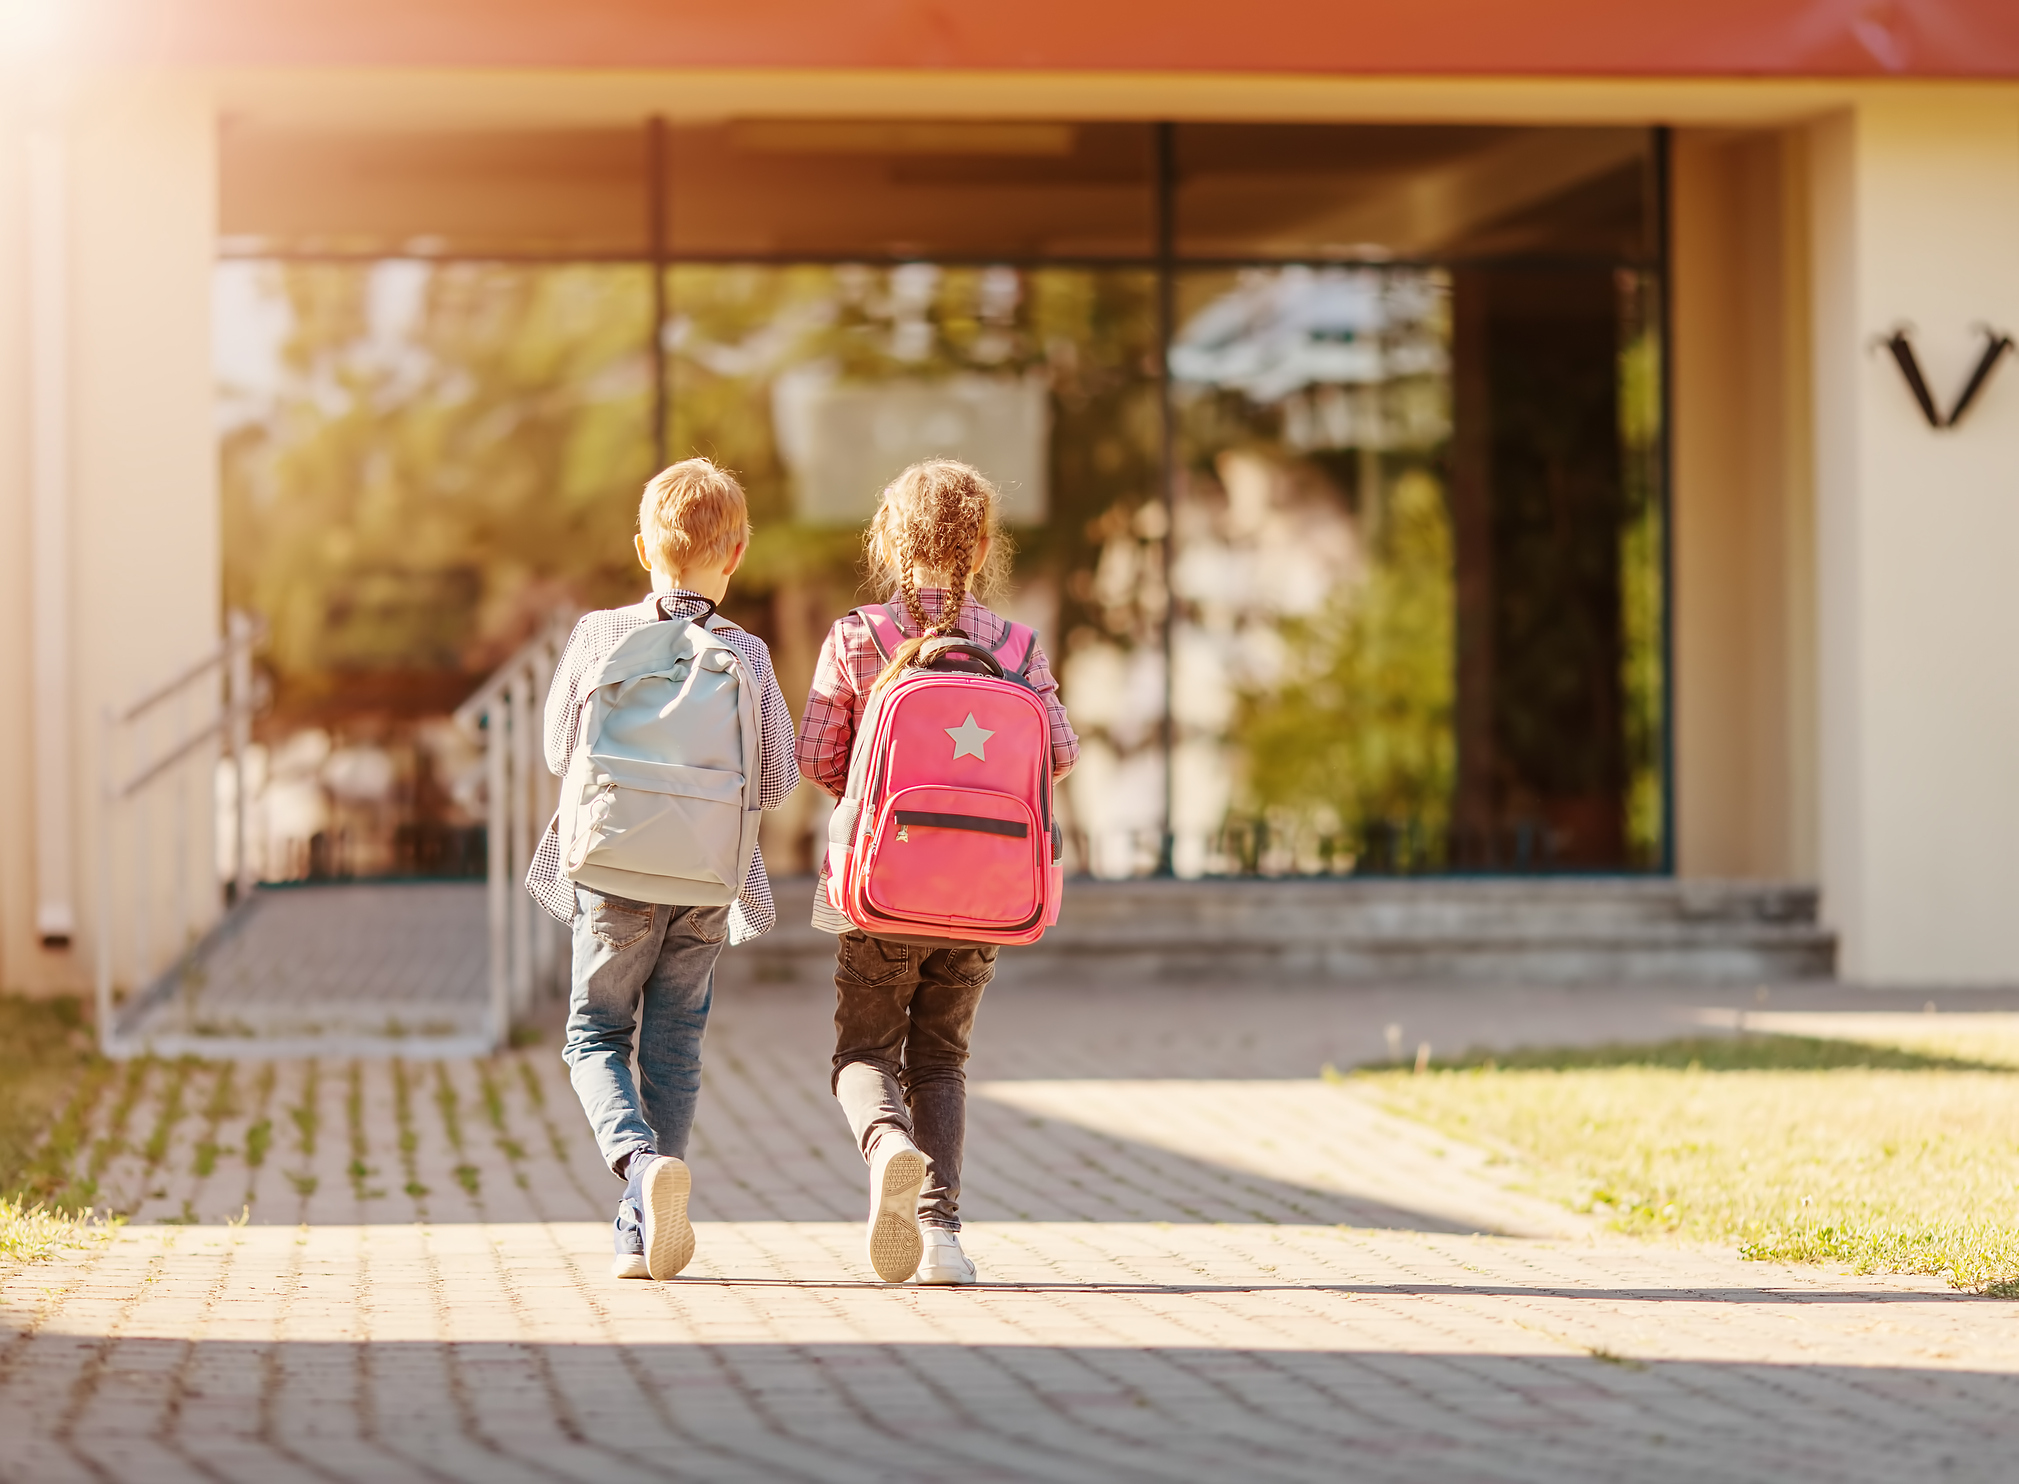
pixel 902 1018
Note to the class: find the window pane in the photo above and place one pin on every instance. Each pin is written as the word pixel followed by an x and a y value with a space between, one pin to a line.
pixel 1313 649
pixel 1416 192
pixel 1559 544
pixel 809 188
pixel 1418 570
pixel 421 462
pixel 817 384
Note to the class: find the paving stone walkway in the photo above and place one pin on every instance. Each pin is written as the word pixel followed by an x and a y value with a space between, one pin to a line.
pixel 1201 1261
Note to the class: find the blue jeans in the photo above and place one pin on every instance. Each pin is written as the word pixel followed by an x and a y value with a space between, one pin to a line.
pixel 643 974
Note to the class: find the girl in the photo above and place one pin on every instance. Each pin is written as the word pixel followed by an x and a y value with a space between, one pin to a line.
pixel 903 1013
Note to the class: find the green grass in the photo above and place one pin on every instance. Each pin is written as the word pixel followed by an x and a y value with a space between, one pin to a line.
pixel 494 1111
pixel 51 1079
pixel 410 1139
pixel 1885 1158
pixel 258 1139
pixel 538 1098
pixel 169 1114
pixel 112 1142
pixel 449 1103
pixel 354 1120
pixel 306 1119
pixel 222 1104
pixel 31 1233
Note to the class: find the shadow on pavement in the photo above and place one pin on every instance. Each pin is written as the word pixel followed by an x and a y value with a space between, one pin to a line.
pixel 847 1411
pixel 1734 1053
pixel 1710 1295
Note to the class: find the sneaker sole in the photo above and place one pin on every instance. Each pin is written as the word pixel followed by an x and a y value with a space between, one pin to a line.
pixel 669 1235
pixel 895 1243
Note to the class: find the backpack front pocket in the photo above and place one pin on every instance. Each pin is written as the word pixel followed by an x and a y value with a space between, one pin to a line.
pixel 662 819
pixel 955 857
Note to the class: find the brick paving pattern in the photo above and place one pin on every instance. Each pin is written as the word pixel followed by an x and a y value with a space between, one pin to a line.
pixel 1200 1261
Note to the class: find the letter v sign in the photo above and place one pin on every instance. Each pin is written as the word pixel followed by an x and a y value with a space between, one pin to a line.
pixel 1996 343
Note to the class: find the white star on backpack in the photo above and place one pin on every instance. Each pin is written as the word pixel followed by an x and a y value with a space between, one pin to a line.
pixel 969 739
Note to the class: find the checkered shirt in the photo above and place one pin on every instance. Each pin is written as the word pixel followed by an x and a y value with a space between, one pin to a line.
pixel 595 636
pixel 849 665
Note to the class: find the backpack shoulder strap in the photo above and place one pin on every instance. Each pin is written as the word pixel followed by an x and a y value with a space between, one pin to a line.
pixel 886 629
pixel 1017 638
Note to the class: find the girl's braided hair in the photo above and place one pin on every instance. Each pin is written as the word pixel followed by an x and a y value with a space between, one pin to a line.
pixel 930 522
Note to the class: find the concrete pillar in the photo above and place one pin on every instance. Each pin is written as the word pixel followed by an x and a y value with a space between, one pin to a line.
pixel 49 626
pixel 17 912
pixel 109 537
pixel 1914 197
pixel 1744 598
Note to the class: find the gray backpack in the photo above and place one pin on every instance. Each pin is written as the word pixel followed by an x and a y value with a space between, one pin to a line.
pixel 659 803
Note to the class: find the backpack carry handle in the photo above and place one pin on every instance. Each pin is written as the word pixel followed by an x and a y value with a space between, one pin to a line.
pixel 935 650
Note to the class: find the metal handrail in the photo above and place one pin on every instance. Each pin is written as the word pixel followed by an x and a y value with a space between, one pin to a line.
pixel 194 671
pixel 551 638
pixel 168 760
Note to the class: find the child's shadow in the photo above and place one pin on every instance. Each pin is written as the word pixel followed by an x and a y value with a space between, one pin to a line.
pixel 1020 1169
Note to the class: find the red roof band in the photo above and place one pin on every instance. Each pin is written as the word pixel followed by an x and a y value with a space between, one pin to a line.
pixel 1502 38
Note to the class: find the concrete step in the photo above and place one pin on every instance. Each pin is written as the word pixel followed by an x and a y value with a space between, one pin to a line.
pixel 1553 930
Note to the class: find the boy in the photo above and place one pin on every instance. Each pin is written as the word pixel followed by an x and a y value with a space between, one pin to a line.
pixel 647 966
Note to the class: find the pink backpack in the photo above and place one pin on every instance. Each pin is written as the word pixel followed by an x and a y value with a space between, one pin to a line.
pixel 947 831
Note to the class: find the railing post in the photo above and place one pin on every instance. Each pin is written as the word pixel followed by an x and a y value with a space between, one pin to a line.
pixel 107 802
pixel 179 835
pixel 540 787
pixel 238 703
pixel 142 857
pixel 497 871
pixel 522 836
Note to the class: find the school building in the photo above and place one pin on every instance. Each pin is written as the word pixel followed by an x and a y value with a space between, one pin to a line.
pixel 1444 443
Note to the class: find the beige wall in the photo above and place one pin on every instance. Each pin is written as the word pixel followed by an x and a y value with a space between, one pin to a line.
pixel 1915 217
pixel 1842 593
pixel 144 542
pixel 1743 602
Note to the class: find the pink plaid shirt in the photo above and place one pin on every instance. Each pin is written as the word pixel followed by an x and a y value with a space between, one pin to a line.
pixel 849 665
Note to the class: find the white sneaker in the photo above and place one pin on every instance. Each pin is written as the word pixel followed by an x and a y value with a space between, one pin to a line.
pixel 944 1261
pixel 896 1172
pixel 629 1265
pixel 669 1235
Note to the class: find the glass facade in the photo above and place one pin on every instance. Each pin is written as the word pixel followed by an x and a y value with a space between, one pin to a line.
pixel 1333 455
pixel 420 461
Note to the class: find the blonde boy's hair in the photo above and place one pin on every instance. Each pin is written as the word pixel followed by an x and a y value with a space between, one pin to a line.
pixel 693 512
